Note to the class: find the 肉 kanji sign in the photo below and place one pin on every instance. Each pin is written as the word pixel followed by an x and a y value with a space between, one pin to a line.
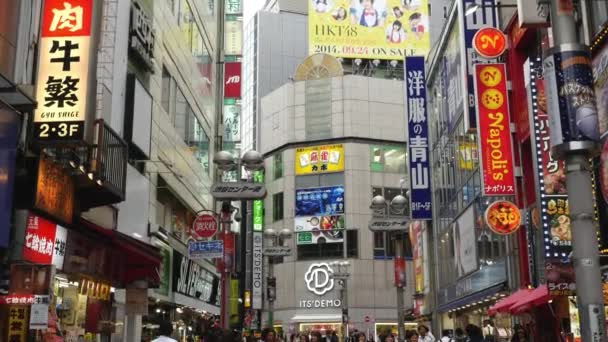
pixel 63 66
pixel 45 242
pixel 494 130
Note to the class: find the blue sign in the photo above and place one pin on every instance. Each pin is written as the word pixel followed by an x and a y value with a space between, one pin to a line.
pixel 484 16
pixel 205 249
pixel 9 136
pixel 418 139
pixel 320 201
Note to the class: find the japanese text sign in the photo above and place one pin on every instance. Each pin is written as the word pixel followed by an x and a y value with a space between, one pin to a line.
pixel 234 7
pixel 490 42
pixel 18 323
pixel 204 226
pixel 205 249
pixel 258 205
pixel 63 70
pixel 45 242
pixel 418 139
pixel 232 80
pixel 494 130
pixel 319 159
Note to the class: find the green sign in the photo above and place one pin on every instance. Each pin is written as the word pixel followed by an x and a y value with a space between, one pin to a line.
pixel 165 272
pixel 304 238
pixel 258 205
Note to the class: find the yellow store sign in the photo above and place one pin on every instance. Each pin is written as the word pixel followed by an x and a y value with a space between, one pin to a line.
pixel 319 159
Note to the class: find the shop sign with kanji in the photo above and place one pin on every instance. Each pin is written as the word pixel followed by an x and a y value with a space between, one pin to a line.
pixel 418 139
pixel 18 323
pixel 45 242
pixel 63 67
pixel 319 159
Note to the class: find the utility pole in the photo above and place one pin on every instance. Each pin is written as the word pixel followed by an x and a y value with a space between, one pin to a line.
pixel 576 143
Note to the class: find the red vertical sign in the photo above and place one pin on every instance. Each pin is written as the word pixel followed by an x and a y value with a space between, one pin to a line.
pixel 232 80
pixel 494 130
pixel 399 271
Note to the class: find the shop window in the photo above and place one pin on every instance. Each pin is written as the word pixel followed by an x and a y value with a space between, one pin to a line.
pixel 277 166
pixel 277 206
pixel 387 158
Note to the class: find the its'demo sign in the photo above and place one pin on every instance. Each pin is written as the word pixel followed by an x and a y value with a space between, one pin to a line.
pixel 319 280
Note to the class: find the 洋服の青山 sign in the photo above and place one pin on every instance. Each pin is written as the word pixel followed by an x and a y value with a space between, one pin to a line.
pixel 494 130
pixel 63 69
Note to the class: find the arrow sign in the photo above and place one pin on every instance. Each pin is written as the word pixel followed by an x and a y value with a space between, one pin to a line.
pixel 238 191
pixel 378 224
pixel 277 251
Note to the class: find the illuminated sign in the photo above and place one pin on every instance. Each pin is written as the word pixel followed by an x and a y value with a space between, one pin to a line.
pixel 63 67
pixel 390 29
pixel 45 242
pixel 95 289
pixel 490 42
pixel 503 217
pixel 258 205
pixel 494 130
pixel 142 35
pixel 257 271
pixel 18 323
pixel 319 159
pixel 54 190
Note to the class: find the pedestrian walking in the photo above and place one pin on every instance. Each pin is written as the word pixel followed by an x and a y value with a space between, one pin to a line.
pixel 424 334
pixel 446 336
pixel 459 335
pixel 164 332
pixel 474 333
pixel 411 336
pixel 490 333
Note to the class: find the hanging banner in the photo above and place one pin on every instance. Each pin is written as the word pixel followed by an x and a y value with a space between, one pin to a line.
pixel 232 123
pixel 400 271
pixel 388 29
pixel 418 139
pixel 45 242
pixel 63 67
pixel 319 159
pixel 484 16
pixel 257 271
pixel 416 239
pixel 498 176
pixel 232 80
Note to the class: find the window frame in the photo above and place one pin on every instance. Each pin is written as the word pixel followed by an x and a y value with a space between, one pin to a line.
pixel 275 206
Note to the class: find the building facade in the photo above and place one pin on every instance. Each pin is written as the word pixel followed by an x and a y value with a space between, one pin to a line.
pixel 357 124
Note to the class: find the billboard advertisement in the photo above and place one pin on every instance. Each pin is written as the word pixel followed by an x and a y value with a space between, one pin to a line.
pixel 319 223
pixel 232 80
pixel 465 242
pixel 418 139
pixel 319 159
pixel 380 29
pixel 498 176
pixel 320 201
pixel 325 236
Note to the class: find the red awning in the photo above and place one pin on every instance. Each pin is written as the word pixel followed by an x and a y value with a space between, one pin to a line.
pixel 138 260
pixel 539 296
pixel 505 304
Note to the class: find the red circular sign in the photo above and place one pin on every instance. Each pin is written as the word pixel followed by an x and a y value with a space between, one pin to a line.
pixel 490 42
pixel 503 217
pixel 205 226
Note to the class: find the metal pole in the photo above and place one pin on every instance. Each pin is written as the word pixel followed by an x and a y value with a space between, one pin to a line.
pixel 345 305
pixel 400 301
pixel 225 218
pixel 270 276
pixel 585 254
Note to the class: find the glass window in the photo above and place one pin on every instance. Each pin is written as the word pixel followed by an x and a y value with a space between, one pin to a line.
pixel 352 244
pixel 388 158
pixel 277 206
pixel 278 165
pixel 198 141
pixel 599 16
pixel 166 90
pixel 181 113
pixel 312 181
pixel 320 251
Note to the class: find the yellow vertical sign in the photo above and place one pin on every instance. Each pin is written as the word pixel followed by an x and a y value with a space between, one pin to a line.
pixel 18 323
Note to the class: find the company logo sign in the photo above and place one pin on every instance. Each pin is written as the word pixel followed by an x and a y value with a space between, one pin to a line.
pixel 319 279
pixel 232 80
pixel 494 130
pixel 45 242
pixel 490 42
pixel 503 217
pixel 205 226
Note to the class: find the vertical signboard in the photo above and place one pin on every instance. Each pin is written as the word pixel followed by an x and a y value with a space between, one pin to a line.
pixel 258 205
pixel 63 66
pixel 551 187
pixel 234 7
pixel 45 242
pixel 418 139
pixel 18 323
pixel 233 36
pixel 495 145
pixel 232 123
pixel 164 271
pixel 484 16
pixel 232 80
pixel 257 273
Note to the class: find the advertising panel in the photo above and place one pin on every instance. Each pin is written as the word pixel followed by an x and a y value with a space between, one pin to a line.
pixel 551 188
pixel 233 36
pixel 465 242
pixel 232 80
pixel 9 126
pixel 324 236
pixel 570 97
pixel 418 139
pixel 63 71
pixel 319 159
pixel 258 205
pixel 257 271
pixel 320 201
pixel 45 242
pixel 498 176
pixel 18 323
pixel 192 280
pixel 319 223
pixel 381 29
pixel 484 16
pixel 232 123
pixel 468 154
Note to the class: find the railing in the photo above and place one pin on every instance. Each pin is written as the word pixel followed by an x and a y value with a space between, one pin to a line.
pixel 109 153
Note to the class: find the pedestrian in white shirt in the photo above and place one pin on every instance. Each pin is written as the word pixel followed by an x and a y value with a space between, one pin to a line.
pixel 165 330
pixel 424 335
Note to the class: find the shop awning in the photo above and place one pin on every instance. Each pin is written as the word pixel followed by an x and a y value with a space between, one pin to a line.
pixel 139 260
pixel 505 304
pixel 539 296
pixel 323 318
pixel 481 295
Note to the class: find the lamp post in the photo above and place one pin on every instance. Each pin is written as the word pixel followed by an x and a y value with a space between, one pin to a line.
pixel 390 217
pixel 252 161
pixel 275 249
pixel 341 274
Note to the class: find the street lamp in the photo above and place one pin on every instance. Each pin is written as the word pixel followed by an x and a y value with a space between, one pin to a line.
pixel 391 217
pixel 252 161
pixel 275 249
pixel 341 274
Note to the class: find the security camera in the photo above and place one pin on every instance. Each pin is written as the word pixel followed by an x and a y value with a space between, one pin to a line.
pixel 237 216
